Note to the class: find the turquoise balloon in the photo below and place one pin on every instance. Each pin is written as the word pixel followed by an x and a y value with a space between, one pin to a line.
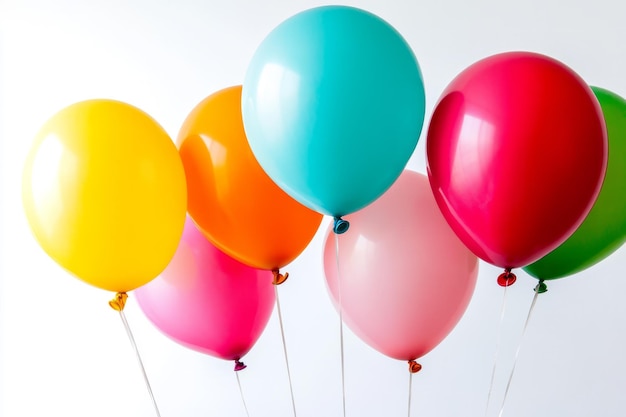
pixel 604 229
pixel 333 107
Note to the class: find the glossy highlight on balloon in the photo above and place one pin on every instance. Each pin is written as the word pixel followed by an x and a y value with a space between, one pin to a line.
pixel 105 195
pixel 604 229
pixel 406 278
pixel 333 106
pixel 231 199
pixel 208 301
pixel 516 153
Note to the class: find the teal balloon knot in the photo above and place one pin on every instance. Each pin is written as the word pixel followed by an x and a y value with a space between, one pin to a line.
pixel 541 287
pixel 340 225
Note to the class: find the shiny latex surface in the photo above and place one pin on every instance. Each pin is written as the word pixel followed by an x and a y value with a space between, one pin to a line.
pixel 406 278
pixel 105 195
pixel 333 106
pixel 604 229
pixel 207 301
pixel 233 201
pixel 516 154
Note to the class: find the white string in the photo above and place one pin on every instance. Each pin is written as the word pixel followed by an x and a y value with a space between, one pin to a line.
pixel 243 400
pixel 495 358
pixel 282 333
pixel 519 346
pixel 143 369
pixel 343 379
pixel 410 391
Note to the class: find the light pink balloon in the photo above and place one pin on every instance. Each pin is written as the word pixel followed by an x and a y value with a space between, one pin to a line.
pixel 207 301
pixel 406 279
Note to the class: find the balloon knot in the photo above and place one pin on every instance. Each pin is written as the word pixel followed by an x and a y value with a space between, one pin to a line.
pixel 340 225
pixel 541 287
pixel 506 278
pixel 239 365
pixel 414 367
pixel 278 277
pixel 119 301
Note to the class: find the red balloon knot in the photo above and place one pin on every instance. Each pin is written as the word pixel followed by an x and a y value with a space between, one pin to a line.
pixel 239 365
pixel 278 277
pixel 414 367
pixel 506 278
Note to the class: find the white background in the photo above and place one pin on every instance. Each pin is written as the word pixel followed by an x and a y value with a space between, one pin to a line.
pixel 65 351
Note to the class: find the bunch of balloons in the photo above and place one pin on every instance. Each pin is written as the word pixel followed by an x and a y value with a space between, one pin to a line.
pixel 526 169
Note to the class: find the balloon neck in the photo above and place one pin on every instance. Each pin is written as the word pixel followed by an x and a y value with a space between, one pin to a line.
pixel 506 278
pixel 239 365
pixel 278 277
pixel 414 367
pixel 119 301
pixel 541 287
pixel 340 225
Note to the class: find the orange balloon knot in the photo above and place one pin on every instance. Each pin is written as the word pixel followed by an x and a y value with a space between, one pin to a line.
pixel 119 301
pixel 340 225
pixel 239 365
pixel 278 277
pixel 506 278
pixel 414 367
pixel 541 287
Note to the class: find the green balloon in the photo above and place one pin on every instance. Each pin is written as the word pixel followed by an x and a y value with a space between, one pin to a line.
pixel 604 229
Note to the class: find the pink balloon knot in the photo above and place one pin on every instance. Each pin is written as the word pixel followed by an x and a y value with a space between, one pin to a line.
pixel 239 365
pixel 278 277
pixel 506 278
pixel 414 367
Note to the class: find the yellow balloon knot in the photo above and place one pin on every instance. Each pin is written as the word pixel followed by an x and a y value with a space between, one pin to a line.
pixel 119 301
pixel 278 277
pixel 414 367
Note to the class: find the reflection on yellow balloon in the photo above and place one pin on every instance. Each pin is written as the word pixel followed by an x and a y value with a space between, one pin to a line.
pixel 104 192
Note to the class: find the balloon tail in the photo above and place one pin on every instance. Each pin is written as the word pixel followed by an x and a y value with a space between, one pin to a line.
pixel 507 278
pixel 410 390
pixel 243 399
pixel 118 304
pixel 519 346
pixel 282 334
pixel 239 366
pixel 343 373
pixel 278 277
pixel 340 225
pixel 495 357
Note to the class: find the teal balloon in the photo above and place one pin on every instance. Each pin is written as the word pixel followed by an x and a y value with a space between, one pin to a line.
pixel 604 229
pixel 333 106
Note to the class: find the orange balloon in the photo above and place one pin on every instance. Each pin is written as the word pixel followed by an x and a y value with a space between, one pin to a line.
pixel 230 198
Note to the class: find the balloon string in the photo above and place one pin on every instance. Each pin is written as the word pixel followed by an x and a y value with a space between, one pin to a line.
pixel 497 353
pixel 343 375
pixel 519 346
pixel 243 400
pixel 143 369
pixel 282 334
pixel 410 391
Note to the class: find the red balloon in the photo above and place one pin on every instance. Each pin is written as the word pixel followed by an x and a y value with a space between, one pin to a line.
pixel 516 155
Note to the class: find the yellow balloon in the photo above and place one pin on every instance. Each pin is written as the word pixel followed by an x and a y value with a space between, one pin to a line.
pixel 105 194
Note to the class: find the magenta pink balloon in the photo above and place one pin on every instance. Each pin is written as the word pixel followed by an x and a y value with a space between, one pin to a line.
pixel 517 152
pixel 406 278
pixel 207 301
